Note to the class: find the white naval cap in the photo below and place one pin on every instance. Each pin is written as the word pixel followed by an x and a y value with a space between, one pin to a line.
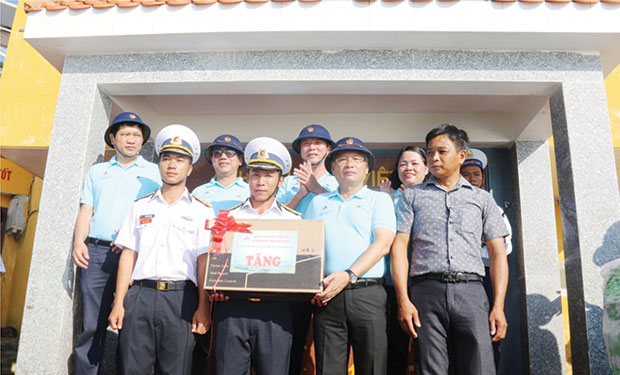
pixel 179 139
pixel 267 153
pixel 475 157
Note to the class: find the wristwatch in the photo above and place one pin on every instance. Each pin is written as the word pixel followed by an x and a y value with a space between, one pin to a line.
pixel 352 276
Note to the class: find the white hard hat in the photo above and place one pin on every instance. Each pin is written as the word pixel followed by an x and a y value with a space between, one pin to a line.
pixel 179 139
pixel 475 157
pixel 267 153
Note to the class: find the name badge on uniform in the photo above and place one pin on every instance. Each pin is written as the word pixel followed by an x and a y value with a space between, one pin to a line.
pixel 146 219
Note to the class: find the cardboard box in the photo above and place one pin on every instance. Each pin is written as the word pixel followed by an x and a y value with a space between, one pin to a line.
pixel 281 259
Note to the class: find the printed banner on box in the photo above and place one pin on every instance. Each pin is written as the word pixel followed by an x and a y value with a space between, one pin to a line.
pixel 264 252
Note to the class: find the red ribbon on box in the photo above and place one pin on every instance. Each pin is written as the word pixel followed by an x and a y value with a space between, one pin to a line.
pixel 223 223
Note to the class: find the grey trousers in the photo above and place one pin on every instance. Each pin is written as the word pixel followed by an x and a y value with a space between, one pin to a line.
pixel 357 318
pixel 452 315
pixel 255 335
pixel 157 331
pixel 97 284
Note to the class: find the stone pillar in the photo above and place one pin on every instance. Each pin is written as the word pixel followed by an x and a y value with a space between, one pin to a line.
pixel 47 336
pixel 543 342
pixel 590 210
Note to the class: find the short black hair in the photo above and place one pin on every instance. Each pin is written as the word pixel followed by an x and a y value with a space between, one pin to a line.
pixel 394 179
pixel 458 136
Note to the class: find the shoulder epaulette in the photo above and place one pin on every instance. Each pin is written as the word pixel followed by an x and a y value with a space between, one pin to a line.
pixel 202 201
pixel 236 206
pixel 146 196
pixel 289 209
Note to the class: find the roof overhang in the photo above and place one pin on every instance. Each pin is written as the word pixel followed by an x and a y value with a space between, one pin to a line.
pixel 7 13
pixel 329 25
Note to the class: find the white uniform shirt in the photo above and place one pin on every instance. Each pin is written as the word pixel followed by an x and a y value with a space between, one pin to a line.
pixel 167 237
pixel 507 240
pixel 276 211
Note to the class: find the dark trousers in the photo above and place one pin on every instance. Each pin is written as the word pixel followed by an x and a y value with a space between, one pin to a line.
pixel 254 335
pixel 157 331
pixel 302 315
pixel 398 340
pixel 452 315
pixel 488 288
pixel 97 284
pixel 200 360
pixel 357 318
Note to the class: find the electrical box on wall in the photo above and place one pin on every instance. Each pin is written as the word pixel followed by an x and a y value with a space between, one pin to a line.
pixel 16 216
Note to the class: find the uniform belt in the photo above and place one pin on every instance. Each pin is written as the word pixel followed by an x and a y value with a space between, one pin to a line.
pixel 164 285
pixel 98 242
pixel 363 283
pixel 450 277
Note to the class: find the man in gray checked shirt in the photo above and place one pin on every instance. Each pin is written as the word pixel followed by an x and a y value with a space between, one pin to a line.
pixel 442 221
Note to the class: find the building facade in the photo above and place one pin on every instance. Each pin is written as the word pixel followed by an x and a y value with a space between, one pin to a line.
pixel 512 74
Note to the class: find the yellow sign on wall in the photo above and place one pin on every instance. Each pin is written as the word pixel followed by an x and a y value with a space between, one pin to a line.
pixel 13 178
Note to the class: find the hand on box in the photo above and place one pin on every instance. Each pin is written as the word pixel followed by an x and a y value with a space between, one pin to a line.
pixel 218 297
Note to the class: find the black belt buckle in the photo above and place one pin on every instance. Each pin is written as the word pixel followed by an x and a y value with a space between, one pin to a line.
pixel 450 277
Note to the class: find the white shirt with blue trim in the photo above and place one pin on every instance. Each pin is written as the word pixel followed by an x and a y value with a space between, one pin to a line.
pixel 167 237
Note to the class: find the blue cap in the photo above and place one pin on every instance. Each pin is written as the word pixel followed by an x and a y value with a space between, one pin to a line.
pixel 312 131
pixel 225 140
pixel 349 144
pixel 127 118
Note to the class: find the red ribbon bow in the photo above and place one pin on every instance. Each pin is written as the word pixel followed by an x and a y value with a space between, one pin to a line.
pixel 222 224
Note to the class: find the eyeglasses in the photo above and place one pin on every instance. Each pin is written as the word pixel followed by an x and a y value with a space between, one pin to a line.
pixel 218 153
pixel 354 159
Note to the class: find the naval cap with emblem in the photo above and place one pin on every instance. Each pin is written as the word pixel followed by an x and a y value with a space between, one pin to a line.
pixel 179 139
pixel 475 157
pixel 224 140
pixel 267 153
pixel 128 118
pixel 349 144
pixel 312 131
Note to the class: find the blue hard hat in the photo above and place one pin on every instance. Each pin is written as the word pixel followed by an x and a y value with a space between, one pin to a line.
pixel 127 118
pixel 312 131
pixel 349 144
pixel 225 140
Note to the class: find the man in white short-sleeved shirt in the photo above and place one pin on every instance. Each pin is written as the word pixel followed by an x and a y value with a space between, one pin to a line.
pixel 157 306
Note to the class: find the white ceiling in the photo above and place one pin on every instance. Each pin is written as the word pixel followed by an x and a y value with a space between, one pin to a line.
pixel 381 119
